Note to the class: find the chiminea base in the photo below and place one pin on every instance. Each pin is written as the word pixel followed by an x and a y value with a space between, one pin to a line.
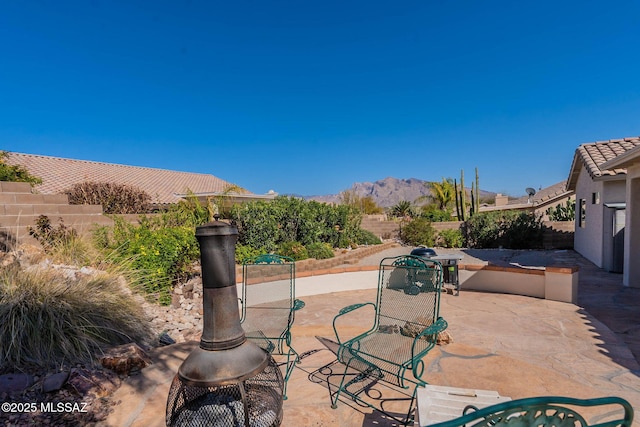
pixel 254 402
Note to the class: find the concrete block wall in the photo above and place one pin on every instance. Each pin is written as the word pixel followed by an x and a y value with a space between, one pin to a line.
pixel 20 208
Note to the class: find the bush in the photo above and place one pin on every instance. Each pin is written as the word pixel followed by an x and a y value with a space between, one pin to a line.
pixel 266 225
pixel 61 242
pixel 48 320
pixel 244 253
pixel 366 237
pixel 509 229
pixel 293 250
pixel 164 255
pixel 418 232
pixel 114 198
pixel 15 173
pixel 452 238
pixel 320 250
pixel 433 214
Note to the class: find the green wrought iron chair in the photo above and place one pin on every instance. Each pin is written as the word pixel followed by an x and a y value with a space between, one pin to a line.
pixel 546 411
pixel 268 306
pixel 405 324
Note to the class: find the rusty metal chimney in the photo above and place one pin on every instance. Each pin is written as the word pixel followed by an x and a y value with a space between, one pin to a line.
pixel 227 380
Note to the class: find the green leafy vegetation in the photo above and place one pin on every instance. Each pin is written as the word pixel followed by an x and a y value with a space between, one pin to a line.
pixel 320 250
pixel 452 238
pixel 563 213
pixel 293 250
pixel 114 198
pixel 365 205
pixel 403 209
pixel 509 229
pixel 418 232
pixel 15 173
pixel 48 320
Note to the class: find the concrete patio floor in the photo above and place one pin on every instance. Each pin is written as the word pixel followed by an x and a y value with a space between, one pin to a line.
pixel 516 345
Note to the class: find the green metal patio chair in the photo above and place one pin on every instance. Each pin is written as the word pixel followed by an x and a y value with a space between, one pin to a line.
pixel 546 411
pixel 405 324
pixel 268 306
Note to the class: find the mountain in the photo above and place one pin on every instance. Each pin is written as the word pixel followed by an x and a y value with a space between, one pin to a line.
pixel 389 191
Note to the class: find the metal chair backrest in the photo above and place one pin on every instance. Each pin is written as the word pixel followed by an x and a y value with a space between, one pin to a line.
pixel 268 300
pixel 548 411
pixel 408 300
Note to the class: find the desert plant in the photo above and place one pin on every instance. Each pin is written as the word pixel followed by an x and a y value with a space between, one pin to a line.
pixel 51 237
pixel 366 237
pixel 293 250
pixel 48 320
pixel 114 198
pixel 403 209
pixel 15 173
pixel 164 255
pixel 418 232
pixel 509 229
pixel 451 238
pixel 320 250
pixel 563 213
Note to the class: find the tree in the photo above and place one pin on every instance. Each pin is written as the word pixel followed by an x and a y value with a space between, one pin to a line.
pixel 403 209
pixel 15 173
pixel 442 193
pixel 365 205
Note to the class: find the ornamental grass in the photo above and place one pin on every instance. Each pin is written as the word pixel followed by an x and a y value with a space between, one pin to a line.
pixel 48 319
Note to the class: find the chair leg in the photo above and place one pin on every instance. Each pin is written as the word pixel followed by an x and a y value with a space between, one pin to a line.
pixel 292 359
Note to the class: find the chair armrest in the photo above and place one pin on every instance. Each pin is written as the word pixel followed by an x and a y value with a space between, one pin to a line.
pixel 298 304
pixel 346 310
pixel 435 328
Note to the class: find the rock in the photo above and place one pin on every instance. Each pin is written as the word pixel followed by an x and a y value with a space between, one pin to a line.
pixel 125 358
pixel 98 383
pixel 165 339
pixel 15 382
pixel 54 382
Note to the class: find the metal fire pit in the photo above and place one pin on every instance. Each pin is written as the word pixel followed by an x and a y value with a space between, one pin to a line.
pixel 227 380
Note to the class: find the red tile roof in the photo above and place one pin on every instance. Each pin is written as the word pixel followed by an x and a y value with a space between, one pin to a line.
pixel 592 155
pixel 164 186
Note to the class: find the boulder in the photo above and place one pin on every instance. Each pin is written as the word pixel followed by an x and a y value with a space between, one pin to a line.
pixel 125 358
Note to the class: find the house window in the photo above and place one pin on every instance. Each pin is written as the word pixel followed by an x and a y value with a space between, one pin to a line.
pixel 582 214
pixel 595 198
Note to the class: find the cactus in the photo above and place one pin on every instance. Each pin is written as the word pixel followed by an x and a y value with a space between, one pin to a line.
pixel 477 195
pixel 455 192
pixel 463 196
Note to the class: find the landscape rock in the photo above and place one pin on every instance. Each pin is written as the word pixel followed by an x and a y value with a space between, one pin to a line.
pixel 15 382
pixel 125 358
pixel 54 382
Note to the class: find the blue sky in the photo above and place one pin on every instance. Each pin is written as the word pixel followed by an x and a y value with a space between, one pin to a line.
pixel 308 97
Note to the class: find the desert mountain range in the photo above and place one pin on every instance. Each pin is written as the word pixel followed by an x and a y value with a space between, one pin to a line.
pixel 389 191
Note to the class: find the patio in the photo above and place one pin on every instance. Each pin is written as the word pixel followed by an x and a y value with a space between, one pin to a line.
pixel 519 346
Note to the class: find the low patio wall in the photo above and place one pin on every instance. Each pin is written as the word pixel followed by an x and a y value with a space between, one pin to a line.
pixel 554 282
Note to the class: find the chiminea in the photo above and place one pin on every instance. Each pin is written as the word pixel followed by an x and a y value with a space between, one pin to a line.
pixel 227 380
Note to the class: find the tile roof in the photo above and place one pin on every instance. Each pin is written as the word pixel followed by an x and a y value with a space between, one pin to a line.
pixel 544 195
pixel 164 186
pixel 592 155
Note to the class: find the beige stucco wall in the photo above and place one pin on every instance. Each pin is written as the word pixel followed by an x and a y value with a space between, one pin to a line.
pixel 631 274
pixel 587 240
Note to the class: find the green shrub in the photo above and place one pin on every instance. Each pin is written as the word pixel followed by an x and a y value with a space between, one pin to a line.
pixel 451 238
pixel 266 225
pixel 418 232
pixel 15 173
pixel 366 237
pixel 243 253
pixel 114 198
pixel 433 214
pixel 320 250
pixel 563 213
pixel 55 240
pixel 509 229
pixel 164 255
pixel 293 250
pixel 48 320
